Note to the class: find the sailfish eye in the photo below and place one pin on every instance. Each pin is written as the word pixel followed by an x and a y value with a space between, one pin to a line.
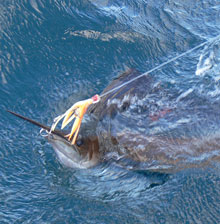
pixel 79 142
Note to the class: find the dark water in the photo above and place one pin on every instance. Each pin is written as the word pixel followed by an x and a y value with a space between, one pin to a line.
pixel 54 53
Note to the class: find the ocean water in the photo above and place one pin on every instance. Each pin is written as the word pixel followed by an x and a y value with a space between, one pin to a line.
pixel 54 53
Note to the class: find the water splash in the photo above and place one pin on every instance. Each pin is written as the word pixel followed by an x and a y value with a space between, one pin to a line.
pixel 209 60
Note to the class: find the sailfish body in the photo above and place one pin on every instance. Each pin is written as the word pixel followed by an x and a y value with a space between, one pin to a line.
pixel 121 135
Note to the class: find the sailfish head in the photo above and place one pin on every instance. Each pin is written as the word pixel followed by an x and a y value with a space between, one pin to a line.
pixel 83 154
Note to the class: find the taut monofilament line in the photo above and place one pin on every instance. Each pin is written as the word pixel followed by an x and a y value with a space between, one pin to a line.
pixel 78 110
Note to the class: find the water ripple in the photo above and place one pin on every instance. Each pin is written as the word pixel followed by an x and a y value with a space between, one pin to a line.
pixel 54 53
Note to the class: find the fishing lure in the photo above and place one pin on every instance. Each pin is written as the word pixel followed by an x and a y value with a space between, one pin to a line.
pixel 76 112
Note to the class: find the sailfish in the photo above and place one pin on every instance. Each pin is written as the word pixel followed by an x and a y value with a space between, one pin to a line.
pixel 83 149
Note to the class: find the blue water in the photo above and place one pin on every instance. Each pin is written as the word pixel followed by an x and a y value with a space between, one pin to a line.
pixel 54 53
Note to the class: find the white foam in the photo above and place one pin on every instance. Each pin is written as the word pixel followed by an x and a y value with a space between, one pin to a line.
pixel 184 94
pixel 206 62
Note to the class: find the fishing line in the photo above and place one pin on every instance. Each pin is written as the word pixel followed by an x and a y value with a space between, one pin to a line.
pixel 77 111
pixel 161 65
